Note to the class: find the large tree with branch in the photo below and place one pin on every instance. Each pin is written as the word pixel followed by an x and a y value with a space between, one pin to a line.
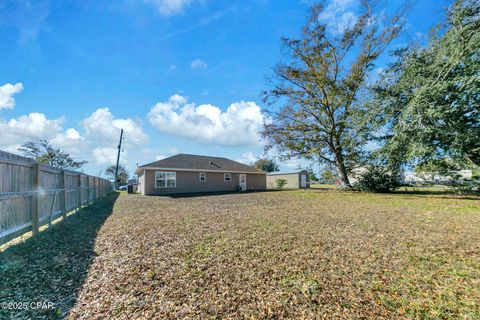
pixel 122 175
pixel 318 86
pixel 43 152
pixel 429 97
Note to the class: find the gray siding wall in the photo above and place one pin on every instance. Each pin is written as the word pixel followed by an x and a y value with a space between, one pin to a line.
pixel 189 182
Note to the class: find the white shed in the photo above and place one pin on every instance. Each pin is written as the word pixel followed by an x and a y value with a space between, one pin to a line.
pixel 295 180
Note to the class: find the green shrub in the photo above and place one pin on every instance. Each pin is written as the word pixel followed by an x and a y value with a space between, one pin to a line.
pixel 377 179
pixel 280 183
pixel 464 187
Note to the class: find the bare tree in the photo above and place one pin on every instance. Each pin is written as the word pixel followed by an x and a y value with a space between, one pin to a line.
pixel 318 86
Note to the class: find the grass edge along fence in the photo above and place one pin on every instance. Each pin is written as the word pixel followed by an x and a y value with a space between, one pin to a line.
pixel 34 194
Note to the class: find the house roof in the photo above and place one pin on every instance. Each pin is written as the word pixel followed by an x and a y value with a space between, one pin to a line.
pixel 289 172
pixel 199 163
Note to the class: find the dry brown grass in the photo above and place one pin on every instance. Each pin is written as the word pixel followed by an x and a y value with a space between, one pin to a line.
pixel 288 254
pixel 295 254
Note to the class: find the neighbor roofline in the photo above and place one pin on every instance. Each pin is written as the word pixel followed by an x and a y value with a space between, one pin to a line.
pixel 196 170
pixel 280 173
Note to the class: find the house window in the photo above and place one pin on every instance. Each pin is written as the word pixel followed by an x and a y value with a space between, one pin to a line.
pixel 165 179
pixel 227 176
pixel 203 176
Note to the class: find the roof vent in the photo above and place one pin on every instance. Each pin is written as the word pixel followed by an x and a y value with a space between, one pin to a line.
pixel 213 164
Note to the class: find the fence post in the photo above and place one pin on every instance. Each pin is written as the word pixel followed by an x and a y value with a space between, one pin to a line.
pixel 79 198
pixel 36 198
pixel 94 188
pixel 64 187
pixel 33 184
pixel 88 189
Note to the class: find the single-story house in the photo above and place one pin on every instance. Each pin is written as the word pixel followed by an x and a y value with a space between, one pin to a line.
pixel 295 180
pixel 189 173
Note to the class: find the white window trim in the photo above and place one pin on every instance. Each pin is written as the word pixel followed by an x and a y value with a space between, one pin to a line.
pixel 204 176
pixel 166 180
pixel 225 176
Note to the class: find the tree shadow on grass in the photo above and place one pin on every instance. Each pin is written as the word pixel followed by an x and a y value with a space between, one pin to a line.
pixel 52 266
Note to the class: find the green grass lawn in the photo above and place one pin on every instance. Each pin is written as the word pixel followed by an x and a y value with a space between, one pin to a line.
pixel 270 255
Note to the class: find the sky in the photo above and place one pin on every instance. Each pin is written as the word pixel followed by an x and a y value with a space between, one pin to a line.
pixel 179 76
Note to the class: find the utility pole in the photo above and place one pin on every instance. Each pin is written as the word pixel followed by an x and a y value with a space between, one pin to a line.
pixel 118 158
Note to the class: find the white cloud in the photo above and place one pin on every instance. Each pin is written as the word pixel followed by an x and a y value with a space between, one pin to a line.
pixel 247 158
pixel 148 154
pixel 27 16
pixel 169 7
pixel 420 35
pixel 34 126
pixel 379 71
pixel 171 68
pixel 173 150
pixel 199 64
pixel 336 16
pixel 97 146
pixel 103 131
pixel 375 75
pixel 108 155
pixel 346 21
pixel 6 95
pixel 72 134
pixel 102 125
pixel 337 6
pixel 239 125
pixel 293 163
pixel 12 148
pixel 70 140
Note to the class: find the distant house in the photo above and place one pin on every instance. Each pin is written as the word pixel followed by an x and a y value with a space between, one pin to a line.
pixel 132 182
pixel 295 179
pixel 356 173
pixel 188 173
pixel 411 177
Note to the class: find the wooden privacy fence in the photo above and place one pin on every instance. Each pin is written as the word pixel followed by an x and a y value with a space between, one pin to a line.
pixel 33 194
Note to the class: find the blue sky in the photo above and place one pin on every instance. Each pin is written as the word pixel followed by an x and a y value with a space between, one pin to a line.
pixel 177 75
